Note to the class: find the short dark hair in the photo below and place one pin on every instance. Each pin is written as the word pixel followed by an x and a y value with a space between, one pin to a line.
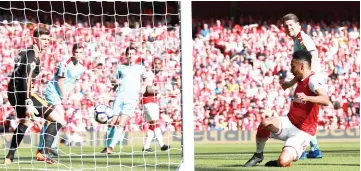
pixel 290 16
pixel 303 55
pixel 40 31
pixel 77 46
pixel 153 63
pixel 128 49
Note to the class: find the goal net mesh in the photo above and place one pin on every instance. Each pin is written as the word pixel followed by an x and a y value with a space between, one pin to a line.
pixel 105 29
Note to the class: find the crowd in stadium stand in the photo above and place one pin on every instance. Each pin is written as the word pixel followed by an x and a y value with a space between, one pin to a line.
pixel 237 71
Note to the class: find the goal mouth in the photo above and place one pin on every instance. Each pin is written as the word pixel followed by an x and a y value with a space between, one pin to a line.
pixel 105 30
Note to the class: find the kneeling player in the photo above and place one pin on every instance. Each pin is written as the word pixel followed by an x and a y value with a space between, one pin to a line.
pixel 302 41
pixel 151 108
pixel 299 126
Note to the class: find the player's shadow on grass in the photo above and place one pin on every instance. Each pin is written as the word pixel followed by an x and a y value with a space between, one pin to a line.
pixel 328 164
pixel 232 165
pixel 240 152
pixel 238 166
pixel 273 152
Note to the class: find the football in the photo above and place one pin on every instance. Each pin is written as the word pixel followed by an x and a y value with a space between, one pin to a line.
pixel 102 114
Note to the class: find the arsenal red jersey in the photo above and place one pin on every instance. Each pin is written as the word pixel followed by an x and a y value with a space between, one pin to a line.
pixel 304 115
pixel 153 81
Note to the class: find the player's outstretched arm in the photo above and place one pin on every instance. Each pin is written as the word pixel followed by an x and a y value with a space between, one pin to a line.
pixel 289 84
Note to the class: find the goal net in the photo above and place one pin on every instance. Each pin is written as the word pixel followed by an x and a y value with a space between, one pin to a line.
pixel 105 29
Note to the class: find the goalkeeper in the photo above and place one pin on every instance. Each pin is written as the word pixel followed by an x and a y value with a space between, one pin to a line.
pixel 26 103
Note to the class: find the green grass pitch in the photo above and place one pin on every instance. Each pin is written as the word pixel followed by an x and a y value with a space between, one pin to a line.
pixel 343 156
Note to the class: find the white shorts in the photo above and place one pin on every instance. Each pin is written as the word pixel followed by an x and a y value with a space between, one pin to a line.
pixel 121 107
pixel 293 137
pixel 151 112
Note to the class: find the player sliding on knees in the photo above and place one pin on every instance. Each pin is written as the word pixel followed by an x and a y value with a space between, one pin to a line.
pixel 67 74
pixel 127 80
pixel 302 41
pixel 300 125
pixel 151 107
pixel 26 103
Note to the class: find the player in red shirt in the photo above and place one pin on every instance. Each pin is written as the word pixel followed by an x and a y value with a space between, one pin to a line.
pixel 302 41
pixel 299 126
pixel 151 107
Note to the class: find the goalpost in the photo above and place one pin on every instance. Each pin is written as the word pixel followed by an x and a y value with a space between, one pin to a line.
pixel 187 87
pixel 93 25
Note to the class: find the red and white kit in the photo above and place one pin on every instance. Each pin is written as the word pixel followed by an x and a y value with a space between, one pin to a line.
pixel 150 101
pixel 300 125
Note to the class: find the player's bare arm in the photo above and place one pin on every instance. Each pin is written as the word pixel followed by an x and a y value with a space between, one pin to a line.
pixel 314 67
pixel 321 98
pixel 289 84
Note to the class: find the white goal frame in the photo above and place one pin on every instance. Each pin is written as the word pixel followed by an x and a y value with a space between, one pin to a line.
pixel 187 86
